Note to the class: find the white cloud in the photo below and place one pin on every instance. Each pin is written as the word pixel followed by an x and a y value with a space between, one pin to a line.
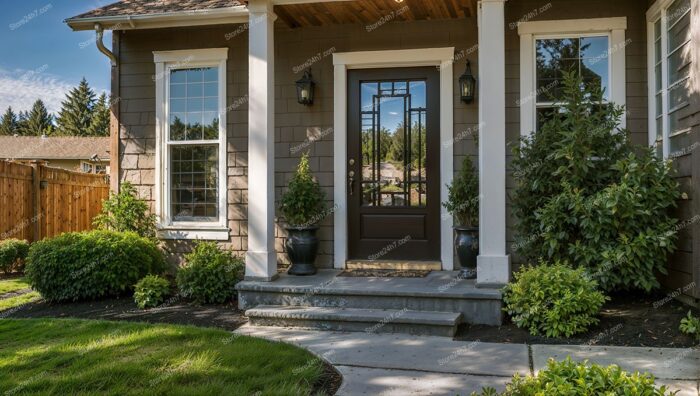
pixel 21 88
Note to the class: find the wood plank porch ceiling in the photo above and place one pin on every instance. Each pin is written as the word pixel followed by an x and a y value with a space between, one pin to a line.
pixel 372 11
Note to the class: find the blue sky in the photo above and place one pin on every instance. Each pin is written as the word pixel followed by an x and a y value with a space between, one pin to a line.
pixel 41 57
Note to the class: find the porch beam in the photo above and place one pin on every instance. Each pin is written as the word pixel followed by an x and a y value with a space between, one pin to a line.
pixel 261 259
pixel 493 264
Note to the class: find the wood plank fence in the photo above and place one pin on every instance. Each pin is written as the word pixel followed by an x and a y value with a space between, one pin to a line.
pixel 39 202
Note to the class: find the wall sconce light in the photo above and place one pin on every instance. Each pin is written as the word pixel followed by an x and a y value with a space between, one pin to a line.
pixel 467 85
pixel 305 89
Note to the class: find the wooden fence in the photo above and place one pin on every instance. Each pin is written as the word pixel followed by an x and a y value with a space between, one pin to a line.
pixel 37 202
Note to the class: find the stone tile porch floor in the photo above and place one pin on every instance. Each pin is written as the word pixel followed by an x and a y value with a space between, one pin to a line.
pixel 397 364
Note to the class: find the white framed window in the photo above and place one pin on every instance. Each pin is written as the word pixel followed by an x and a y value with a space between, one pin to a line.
pixel 191 177
pixel 86 167
pixel 670 58
pixel 592 48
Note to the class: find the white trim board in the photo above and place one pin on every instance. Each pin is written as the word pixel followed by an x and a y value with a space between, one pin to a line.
pixel 164 62
pixel 614 28
pixel 443 58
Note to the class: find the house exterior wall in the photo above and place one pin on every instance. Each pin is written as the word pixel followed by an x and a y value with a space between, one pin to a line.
pixel 299 129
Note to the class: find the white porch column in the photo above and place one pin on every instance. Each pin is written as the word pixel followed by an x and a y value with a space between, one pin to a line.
pixel 493 264
pixel 261 259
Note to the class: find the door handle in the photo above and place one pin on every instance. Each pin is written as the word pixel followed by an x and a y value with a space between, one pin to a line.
pixel 351 181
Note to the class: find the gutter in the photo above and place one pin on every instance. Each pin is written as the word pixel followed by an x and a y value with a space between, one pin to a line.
pixel 229 15
pixel 99 33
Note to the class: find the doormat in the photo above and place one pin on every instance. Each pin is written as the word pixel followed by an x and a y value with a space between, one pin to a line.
pixel 378 273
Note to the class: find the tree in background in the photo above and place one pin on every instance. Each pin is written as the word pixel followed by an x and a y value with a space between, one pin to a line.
pixel 8 123
pixel 99 125
pixel 75 117
pixel 39 121
pixel 22 123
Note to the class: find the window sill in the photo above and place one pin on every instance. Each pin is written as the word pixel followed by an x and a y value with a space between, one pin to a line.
pixel 212 233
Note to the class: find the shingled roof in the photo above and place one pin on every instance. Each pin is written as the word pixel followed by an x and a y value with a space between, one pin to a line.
pixel 148 7
pixel 58 147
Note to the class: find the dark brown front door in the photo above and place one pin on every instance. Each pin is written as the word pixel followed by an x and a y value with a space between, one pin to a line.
pixel 394 164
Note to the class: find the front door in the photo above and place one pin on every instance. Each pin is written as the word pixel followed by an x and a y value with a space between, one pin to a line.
pixel 393 164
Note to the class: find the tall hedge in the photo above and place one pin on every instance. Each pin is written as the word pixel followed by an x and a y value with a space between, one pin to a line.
pixel 90 265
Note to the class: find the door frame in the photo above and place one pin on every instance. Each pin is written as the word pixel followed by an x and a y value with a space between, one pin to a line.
pixel 443 59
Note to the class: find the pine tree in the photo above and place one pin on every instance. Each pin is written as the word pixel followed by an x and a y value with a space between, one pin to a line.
pixel 39 121
pixel 99 125
pixel 8 123
pixel 22 126
pixel 75 116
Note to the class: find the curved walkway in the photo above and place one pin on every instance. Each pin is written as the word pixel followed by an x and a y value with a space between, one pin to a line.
pixel 397 364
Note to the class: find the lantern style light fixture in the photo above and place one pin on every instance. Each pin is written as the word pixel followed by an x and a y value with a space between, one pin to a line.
pixel 305 89
pixel 467 84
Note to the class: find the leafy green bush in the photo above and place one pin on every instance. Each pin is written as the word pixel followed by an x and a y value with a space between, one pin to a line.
pixel 690 325
pixel 569 378
pixel 463 197
pixel 210 274
pixel 303 205
pixel 88 265
pixel 553 300
pixel 125 212
pixel 587 197
pixel 151 291
pixel 13 253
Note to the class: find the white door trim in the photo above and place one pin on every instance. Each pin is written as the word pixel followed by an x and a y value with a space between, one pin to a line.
pixel 443 59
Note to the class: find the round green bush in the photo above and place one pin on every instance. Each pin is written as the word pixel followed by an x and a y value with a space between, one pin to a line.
pixel 13 253
pixel 151 291
pixel 569 378
pixel 209 275
pixel 88 265
pixel 553 300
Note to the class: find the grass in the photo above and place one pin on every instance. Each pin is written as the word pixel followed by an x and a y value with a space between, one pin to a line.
pixel 12 302
pixel 10 285
pixel 85 357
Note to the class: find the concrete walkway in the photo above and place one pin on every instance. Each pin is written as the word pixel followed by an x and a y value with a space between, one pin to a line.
pixel 397 364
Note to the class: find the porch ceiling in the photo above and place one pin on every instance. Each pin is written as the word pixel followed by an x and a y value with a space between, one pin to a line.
pixel 372 11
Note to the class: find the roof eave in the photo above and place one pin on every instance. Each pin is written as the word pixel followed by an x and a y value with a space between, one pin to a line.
pixel 217 16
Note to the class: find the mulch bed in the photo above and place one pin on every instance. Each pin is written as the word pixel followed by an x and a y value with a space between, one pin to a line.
pixel 363 273
pixel 629 319
pixel 174 311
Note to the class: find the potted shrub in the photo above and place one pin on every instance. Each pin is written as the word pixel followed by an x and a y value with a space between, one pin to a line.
pixel 302 207
pixel 463 204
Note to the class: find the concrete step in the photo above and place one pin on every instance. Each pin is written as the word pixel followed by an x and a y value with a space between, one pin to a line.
pixel 442 324
pixel 440 291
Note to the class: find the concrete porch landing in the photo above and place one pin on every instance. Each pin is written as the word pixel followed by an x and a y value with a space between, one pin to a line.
pixel 397 303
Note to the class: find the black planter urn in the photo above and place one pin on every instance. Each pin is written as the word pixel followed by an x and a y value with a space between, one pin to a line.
pixel 467 247
pixel 302 248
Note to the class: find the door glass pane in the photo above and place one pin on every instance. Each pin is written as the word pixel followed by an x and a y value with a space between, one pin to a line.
pixel 677 10
pixel 193 104
pixel 194 182
pixel 679 33
pixel 393 139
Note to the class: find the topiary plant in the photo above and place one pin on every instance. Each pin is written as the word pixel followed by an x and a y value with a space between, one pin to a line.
pixel 151 291
pixel 553 300
pixel 210 274
pixel 587 197
pixel 463 196
pixel 303 204
pixel 13 253
pixel 125 212
pixel 569 378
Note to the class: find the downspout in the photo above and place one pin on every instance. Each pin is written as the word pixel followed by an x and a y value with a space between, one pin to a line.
pixel 99 32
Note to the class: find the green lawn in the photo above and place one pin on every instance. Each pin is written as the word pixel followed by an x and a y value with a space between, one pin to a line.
pixel 10 285
pixel 7 303
pixel 85 357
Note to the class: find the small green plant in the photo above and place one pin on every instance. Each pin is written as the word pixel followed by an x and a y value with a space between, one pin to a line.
pixel 553 300
pixel 303 204
pixel 125 212
pixel 463 197
pixel 151 291
pixel 588 197
pixel 690 325
pixel 569 378
pixel 89 265
pixel 210 274
pixel 13 253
